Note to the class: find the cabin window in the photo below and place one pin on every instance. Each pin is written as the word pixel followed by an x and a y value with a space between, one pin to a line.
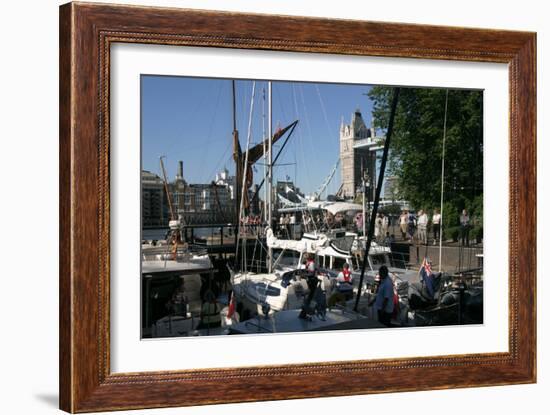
pixel 287 257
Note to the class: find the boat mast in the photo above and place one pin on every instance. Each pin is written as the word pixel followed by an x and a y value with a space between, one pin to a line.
pixel 269 171
pixel 167 190
pixel 442 180
pixel 237 157
pixel 378 191
pixel 176 233
pixel 244 188
pixel 264 135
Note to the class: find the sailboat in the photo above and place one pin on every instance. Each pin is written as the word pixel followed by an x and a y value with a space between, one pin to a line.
pixel 283 294
pixel 259 292
pixel 167 266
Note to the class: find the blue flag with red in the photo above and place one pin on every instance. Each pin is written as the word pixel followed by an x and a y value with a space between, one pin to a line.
pixel 426 277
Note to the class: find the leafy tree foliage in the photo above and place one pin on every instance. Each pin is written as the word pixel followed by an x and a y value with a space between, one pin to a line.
pixel 417 144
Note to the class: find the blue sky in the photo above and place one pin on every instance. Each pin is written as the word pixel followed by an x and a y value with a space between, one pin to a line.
pixel 190 119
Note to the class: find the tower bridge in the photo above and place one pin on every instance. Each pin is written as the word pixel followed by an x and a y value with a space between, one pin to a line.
pixel 358 147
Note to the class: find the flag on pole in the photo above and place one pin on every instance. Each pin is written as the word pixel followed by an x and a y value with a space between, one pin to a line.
pixel 231 309
pixel 426 276
pixel 396 308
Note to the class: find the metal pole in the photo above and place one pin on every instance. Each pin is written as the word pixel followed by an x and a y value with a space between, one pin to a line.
pixel 264 135
pixel 377 195
pixel 442 181
pixel 364 182
pixel 237 169
pixel 269 168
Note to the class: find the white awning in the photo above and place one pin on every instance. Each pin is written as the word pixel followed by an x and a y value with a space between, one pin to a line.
pixel 303 245
pixel 341 207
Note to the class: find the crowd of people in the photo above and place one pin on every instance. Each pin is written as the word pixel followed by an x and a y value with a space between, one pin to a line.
pixel 422 228
pixel 416 227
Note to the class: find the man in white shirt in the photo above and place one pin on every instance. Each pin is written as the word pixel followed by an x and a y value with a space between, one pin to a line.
pixel 436 221
pixel 403 223
pixel 385 225
pixel 422 223
pixel 378 227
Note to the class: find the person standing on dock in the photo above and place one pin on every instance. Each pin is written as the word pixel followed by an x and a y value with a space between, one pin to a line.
pixel 359 223
pixel 307 222
pixel 411 226
pixel 385 225
pixel 404 223
pixel 422 227
pixel 378 227
pixel 286 225
pixel 383 302
pixel 292 223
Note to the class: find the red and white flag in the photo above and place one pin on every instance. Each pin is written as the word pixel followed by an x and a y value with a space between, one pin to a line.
pixel 231 309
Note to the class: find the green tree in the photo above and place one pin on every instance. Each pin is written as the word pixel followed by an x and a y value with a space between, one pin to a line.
pixel 417 143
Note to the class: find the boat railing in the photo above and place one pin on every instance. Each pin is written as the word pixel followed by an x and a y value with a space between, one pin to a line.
pixel 221 233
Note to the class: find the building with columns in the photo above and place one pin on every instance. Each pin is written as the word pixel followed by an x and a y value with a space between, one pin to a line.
pixel 195 203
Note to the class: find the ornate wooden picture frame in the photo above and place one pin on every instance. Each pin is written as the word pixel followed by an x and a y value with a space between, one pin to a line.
pixel 87 32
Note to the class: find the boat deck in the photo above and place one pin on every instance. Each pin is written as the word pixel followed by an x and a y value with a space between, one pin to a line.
pixel 287 321
pixel 196 265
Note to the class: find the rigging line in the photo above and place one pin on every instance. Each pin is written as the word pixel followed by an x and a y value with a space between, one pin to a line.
pixel 323 109
pixel 308 176
pixel 294 145
pixel 310 135
pixel 244 189
pixel 254 255
pixel 205 151
pixel 280 101
pixel 218 163
pixel 295 165
pixel 257 239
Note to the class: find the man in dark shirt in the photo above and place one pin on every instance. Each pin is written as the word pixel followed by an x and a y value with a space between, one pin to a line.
pixel 384 297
